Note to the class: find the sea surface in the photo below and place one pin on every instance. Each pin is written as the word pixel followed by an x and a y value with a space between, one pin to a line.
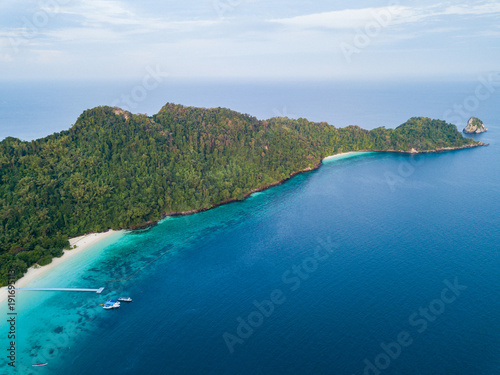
pixel 373 264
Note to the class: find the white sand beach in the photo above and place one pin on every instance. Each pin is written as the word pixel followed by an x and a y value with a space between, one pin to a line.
pixel 82 243
pixel 343 155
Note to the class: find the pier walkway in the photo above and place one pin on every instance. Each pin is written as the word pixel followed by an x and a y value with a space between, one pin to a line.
pixel 64 289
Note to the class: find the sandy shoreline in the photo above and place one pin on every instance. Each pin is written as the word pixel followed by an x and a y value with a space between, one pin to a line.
pixel 85 241
pixel 82 243
pixel 411 152
pixel 343 154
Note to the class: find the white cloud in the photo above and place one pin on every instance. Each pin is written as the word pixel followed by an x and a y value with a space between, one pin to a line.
pixel 490 9
pixel 79 34
pixel 394 14
pixel 94 21
pixel 118 37
pixel 110 13
pixel 342 19
pixel 101 12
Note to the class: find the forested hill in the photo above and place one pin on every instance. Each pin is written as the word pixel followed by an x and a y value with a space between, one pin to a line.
pixel 114 169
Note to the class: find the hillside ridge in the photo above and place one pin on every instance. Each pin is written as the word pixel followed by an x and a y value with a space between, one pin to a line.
pixel 114 169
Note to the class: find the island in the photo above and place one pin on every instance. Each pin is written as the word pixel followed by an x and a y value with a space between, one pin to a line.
pixel 117 170
pixel 475 126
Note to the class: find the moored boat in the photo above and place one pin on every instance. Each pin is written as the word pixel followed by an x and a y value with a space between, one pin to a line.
pixel 40 364
pixel 125 299
pixel 111 304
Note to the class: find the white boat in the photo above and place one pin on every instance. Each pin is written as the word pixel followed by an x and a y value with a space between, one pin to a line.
pixel 111 304
pixel 125 299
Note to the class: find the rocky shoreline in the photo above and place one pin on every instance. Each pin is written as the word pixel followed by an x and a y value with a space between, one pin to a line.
pixel 308 169
pixel 245 196
pixel 439 149
pixel 475 126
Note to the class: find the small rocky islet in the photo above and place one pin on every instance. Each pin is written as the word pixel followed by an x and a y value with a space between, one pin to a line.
pixel 475 126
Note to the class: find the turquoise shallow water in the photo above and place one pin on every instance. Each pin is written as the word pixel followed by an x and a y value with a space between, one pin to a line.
pixel 357 257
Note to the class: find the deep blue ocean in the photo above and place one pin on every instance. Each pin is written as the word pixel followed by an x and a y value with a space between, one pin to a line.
pixel 372 264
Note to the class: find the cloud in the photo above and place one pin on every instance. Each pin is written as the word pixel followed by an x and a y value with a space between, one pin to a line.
pixel 97 12
pixel 111 13
pixel 118 37
pixel 93 21
pixel 490 9
pixel 79 34
pixel 341 19
pixel 394 14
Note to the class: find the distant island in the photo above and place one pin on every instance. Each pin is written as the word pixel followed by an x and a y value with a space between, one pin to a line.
pixel 115 170
pixel 474 126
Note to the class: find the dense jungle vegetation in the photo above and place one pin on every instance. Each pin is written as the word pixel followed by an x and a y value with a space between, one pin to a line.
pixel 114 169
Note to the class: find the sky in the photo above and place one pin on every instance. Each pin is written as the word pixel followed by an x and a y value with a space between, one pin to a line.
pixel 266 40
